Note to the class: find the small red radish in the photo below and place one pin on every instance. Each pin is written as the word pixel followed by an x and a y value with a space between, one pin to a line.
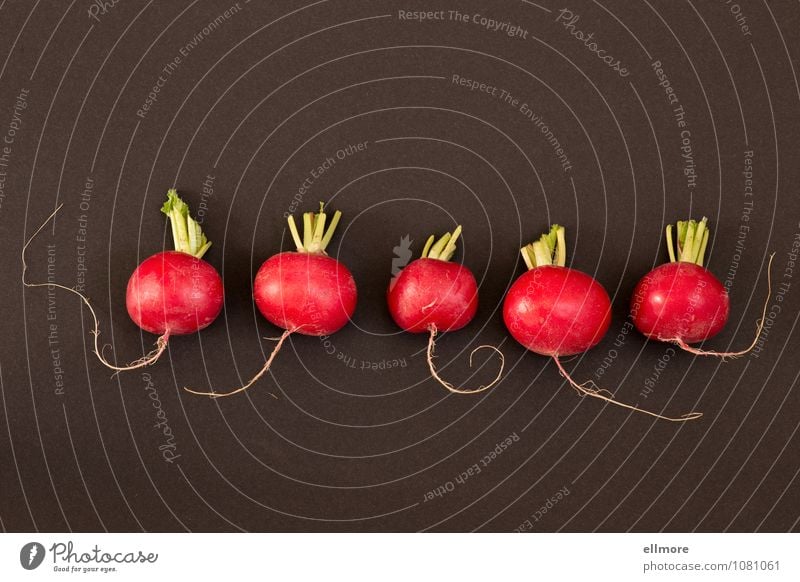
pixel 682 302
pixel 432 294
pixel 305 292
pixel 169 293
pixel 556 311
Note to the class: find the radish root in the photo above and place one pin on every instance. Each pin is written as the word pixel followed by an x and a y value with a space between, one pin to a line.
pixel 448 385
pixel 759 327
pixel 146 360
pixel 255 378
pixel 589 388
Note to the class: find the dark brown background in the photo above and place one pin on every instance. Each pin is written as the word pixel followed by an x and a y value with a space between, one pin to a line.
pixel 263 100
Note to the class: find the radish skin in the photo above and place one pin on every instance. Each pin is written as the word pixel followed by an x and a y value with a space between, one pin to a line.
pixel 310 294
pixel 432 292
pixel 174 292
pixel 557 311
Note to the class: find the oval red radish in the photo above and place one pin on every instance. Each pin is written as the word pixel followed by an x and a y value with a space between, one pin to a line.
pixel 556 311
pixel 682 302
pixel 169 293
pixel 305 292
pixel 432 295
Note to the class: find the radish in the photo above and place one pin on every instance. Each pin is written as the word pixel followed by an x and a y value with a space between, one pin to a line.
pixel 682 302
pixel 431 294
pixel 305 292
pixel 169 293
pixel 556 311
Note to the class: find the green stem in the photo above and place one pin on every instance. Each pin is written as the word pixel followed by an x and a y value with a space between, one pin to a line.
pixel 316 237
pixel 542 255
pixel 561 247
pixel 331 229
pixel 442 249
pixel 692 239
pixel 295 235
pixel 187 235
pixel 550 249
pixel 529 262
pixel 428 245
pixel 702 254
pixel 308 229
pixel 670 246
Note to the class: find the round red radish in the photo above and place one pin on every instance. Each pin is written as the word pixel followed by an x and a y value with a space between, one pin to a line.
pixel 312 294
pixel 433 295
pixel 680 301
pixel 174 292
pixel 433 292
pixel 556 311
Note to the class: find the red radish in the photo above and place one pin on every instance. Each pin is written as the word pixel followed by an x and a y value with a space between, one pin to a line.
pixel 169 293
pixel 682 302
pixel 305 292
pixel 556 311
pixel 432 294
pixel 174 293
